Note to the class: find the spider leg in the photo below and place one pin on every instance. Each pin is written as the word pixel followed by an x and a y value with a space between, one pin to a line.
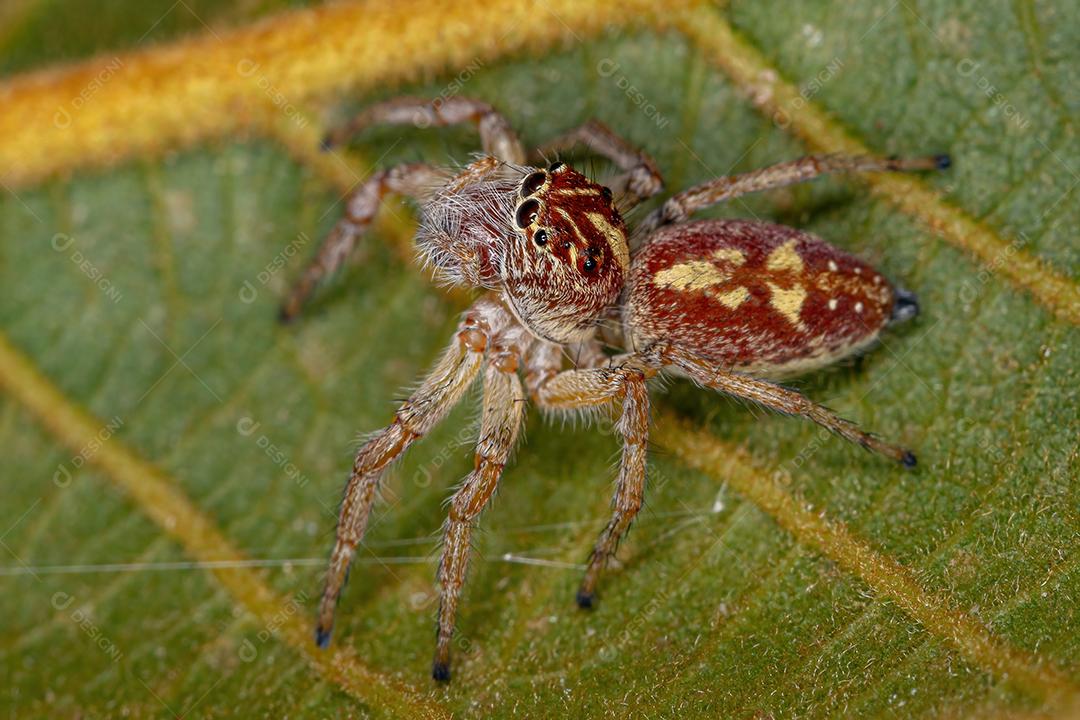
pixel 437 394
pixel 544 360
pixel 503 409
pixel 415 180
pixel 497 137
pixel 640 178
pixel 680 206
pixel 780 399
pixel 597 387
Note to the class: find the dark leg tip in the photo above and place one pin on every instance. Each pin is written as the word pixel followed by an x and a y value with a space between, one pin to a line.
pixel 440 672
pixel 322 637
pixel 905 306
pixel 943 161
pixel 327 142
pixel 908 460
pixel 284 317
pixel 585 600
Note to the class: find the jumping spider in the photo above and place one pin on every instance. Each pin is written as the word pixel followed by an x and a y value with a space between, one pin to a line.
pixel 729 304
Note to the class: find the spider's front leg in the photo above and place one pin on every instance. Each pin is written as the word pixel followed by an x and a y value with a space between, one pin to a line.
pixel 429 404
pixel 414 180
pixel 640 178
pixel 504 407
pixel 588 389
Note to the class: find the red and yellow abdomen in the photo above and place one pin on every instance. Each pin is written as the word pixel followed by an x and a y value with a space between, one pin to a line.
pixel 759 298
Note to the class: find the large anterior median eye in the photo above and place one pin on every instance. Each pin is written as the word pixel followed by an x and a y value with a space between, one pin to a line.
pixel 526 213
pixel 532 183
pixel 592 260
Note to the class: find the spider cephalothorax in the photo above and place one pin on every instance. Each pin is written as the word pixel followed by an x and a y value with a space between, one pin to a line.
pixel 726 303
pixel 550 239
pixel 572 256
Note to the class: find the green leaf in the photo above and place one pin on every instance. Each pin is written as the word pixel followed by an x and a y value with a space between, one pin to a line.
pixel 774 572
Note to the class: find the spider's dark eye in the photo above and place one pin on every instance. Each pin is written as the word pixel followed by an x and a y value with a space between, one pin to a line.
pixel 532 183
pixel 540 237
pixel 589 265
pixel 526 213
pixel 605 192
pixel 556 166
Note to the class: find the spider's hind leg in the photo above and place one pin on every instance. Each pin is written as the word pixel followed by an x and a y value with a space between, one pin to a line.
pixel 780 399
